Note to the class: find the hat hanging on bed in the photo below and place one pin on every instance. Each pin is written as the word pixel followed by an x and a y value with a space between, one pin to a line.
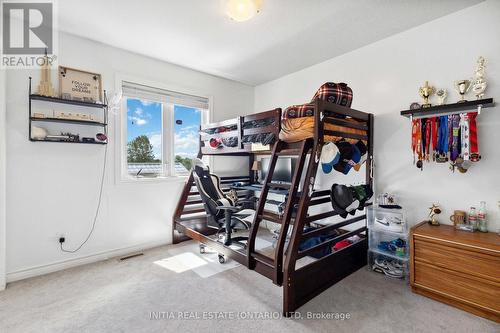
pixel 363 150
pixel 349 157
pixel 346 199
pixel 215 143
pixel 330 156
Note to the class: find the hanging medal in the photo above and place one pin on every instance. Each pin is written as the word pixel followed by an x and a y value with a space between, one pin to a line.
pixel 421 158
pixel 428 125
pixel 414 129
pixel 418 143
pixel 474 149
pixel 434 137
pixel 464 136
pixel 455 137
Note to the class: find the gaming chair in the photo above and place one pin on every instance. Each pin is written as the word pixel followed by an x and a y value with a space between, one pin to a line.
pixel 223 212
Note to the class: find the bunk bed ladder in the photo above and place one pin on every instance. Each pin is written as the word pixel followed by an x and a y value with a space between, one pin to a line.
pixel 275 265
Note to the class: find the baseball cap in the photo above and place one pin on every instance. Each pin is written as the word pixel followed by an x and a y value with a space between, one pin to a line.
pixel 330 156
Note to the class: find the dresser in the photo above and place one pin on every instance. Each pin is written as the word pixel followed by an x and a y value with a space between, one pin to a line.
pixel 458 268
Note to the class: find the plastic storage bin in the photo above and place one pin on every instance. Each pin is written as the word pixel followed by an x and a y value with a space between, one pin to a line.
pixel 394 245
pixel 384 219
pixel 389 266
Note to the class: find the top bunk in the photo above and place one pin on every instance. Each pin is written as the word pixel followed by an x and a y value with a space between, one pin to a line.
pixel 244 135
pixel 256 133
pixel 325 122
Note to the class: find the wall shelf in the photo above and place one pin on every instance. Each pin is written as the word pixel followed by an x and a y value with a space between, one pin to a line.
pixel 440 110
pixel 103 107
pixel 66 101
pixel 69 121
pixel 61 141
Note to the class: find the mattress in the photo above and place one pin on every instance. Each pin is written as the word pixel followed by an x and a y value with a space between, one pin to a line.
pixel 298 129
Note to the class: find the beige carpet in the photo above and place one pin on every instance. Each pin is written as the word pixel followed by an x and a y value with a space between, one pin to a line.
pixel 120 296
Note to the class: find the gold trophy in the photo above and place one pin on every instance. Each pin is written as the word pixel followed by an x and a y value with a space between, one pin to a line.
pixel 462 87
pixel 425 92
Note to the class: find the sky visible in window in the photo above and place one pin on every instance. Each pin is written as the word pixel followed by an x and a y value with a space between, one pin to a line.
pixel 144 118
pixel 186 139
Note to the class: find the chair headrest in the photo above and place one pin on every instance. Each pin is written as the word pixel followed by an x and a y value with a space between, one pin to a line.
pixel 199 167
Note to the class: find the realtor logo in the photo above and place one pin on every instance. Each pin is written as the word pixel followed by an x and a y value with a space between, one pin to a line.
pixel 28 33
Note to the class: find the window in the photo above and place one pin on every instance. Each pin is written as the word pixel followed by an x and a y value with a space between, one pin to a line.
pixel 160 131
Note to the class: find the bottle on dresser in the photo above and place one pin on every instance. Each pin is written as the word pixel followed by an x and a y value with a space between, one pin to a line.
pixel 481 218
pixel 473 218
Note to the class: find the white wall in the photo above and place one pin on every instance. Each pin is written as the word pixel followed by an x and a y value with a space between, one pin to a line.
pixel 2 180
pixel 52 188
pixel 385 77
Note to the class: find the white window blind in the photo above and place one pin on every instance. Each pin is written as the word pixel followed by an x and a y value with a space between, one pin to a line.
pixel 165 96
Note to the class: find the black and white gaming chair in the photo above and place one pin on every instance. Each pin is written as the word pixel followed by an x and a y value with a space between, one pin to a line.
pixel 223 212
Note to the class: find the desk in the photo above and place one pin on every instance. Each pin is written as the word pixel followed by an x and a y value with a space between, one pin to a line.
pixel 258 188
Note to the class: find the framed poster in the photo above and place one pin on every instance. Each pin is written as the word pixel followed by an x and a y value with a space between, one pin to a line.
pixel 78 85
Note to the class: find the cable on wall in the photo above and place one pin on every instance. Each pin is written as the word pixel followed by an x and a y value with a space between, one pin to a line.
pixel 97 209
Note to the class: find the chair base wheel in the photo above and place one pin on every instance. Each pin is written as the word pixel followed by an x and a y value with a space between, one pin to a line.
pixel 202 248
pixel 222 259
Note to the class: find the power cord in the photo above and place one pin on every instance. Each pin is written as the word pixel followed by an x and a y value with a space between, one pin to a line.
pixel 61 240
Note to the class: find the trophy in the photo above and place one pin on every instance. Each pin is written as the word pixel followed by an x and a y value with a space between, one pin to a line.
pixel 479 85
pixel 441 94
pixel 462 87
pixel 425 92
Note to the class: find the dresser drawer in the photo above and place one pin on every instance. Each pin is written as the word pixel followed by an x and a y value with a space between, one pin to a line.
pixel 458 259
pixel 458 286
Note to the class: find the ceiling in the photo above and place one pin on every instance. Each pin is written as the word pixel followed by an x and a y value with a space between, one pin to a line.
pixel 288 35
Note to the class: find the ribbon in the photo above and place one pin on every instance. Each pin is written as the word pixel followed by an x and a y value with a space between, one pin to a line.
pixel 434 137
pixel 455 137
pixel 474 149
pixel 414 130
pixel 443 136
pixel 464 136
pixel 428 139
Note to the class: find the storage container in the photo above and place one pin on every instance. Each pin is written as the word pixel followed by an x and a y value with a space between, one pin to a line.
pixel 385 219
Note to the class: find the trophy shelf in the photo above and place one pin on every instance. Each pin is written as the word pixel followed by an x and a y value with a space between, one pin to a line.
pixel 445 109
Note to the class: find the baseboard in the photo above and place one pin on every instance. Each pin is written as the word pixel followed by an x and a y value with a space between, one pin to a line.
pixel 61 265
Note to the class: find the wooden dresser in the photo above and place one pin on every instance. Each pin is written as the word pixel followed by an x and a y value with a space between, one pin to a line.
pixel 458 268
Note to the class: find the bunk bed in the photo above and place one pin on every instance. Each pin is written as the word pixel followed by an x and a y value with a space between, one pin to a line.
pixel 300 279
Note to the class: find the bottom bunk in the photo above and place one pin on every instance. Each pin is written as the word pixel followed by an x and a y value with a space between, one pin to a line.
pixel 314 270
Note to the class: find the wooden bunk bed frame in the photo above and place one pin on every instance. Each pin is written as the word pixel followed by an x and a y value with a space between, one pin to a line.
pixel 303 283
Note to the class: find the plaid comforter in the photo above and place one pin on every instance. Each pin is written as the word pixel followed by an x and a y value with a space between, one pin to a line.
pixel 338 93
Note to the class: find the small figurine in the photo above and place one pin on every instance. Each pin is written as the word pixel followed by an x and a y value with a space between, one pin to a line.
pixel 479 83
pixel 441 94
pixel 434 210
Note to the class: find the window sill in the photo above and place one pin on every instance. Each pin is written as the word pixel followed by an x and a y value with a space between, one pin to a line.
pixel 166 179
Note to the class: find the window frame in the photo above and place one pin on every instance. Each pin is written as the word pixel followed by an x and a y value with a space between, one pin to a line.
pixel 168 135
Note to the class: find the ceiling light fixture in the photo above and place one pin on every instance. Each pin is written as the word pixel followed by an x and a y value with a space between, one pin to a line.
pixel 243 10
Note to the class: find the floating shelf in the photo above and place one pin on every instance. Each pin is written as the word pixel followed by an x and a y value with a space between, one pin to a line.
pixel 69 121
pixel 66 101
pixel 103 124
pixel 445 109
pixel 61 141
